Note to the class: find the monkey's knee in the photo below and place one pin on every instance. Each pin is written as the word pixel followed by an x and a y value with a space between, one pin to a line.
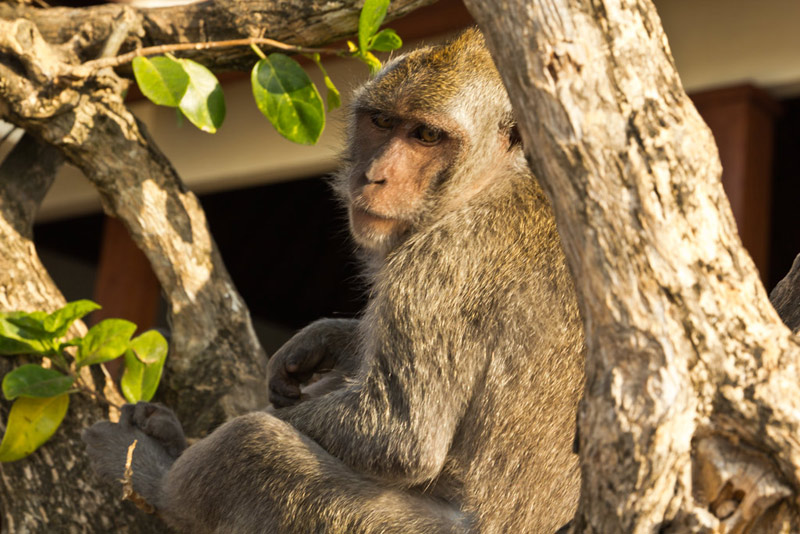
pixel 219 473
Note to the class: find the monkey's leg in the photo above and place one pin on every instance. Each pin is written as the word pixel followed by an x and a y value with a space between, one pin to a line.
pixel 257 474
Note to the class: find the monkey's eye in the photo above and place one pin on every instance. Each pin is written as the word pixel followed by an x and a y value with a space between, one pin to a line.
pixel 382 121
pixel 428 135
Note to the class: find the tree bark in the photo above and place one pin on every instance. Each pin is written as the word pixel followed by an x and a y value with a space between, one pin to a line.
pixel 692 409
pixel 48 491
pixel 299 22
pixel 785 296
pixel 216 366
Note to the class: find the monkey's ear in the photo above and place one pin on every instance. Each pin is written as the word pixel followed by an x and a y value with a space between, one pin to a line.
pixel 509 129
pixel 514 137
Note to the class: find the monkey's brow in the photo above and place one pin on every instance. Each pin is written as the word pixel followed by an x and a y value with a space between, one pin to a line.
pixel 371 110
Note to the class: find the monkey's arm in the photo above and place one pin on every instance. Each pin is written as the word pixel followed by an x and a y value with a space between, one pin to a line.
pixel 396 419
pixel 324 346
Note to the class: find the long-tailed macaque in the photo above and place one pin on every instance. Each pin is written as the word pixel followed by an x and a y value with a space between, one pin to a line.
pixel 449 406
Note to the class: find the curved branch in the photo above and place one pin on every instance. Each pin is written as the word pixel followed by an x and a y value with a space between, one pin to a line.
pixel 26 175
pixel 216 362
pixel 54 476
pixel 117 61
pixel 786 297
pixel 300 23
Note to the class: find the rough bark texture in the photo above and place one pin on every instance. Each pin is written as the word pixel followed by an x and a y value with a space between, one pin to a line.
pixel 49 491
pixel 786 296
pixel 299 22
pixel 692 409
pixel 216 366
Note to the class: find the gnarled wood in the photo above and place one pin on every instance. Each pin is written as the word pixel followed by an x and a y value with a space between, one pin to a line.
pixel 785 296
pixel 299 22
pixel 683 344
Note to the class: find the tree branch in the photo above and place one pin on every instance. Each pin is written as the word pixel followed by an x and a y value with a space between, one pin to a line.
pixel 681 338
pixel 116 61
pixel 26 175
pixel 307 24
pixel 786 297
pixel 56 473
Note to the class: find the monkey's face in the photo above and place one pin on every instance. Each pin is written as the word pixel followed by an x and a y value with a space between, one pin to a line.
pixel 395 164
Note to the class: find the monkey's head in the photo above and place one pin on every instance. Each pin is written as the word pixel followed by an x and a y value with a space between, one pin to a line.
pixel 428 133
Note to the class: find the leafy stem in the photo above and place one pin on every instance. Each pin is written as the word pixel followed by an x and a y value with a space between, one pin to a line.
pixel 40 391
pixel 84 388
pixel 122 59
pixel 60 362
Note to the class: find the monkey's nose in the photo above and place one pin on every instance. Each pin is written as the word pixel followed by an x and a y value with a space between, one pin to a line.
pixel 376 174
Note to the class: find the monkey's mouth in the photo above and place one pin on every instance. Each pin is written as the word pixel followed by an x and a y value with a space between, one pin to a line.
pixel 366 224
pixel 360 209
pixel 364 219
pixel 366 213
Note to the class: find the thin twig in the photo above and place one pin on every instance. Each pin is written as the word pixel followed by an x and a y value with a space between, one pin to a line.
pixel 163 49
pixel 127 475
pixel 128 493
pixel 94 393
pixel 122 28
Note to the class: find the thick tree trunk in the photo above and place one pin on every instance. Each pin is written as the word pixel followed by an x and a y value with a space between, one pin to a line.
pixel 216 366
pixel 692 407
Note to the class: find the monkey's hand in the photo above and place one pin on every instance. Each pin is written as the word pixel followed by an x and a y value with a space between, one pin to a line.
pixel 159 441
pixel 321 347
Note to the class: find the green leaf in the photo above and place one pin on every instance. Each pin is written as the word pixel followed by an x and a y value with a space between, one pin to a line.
pixel 30 324
pixel 150 347
pixel 144 362
pixel 140 380
pixel 161 79
pixel 203 102
pixel 31 422
pixel 286 96
pixel 386 41
pixel 35 381
pixel 132 378
pixel 10 347
pixel 334 98
pixel 24 333
pixel 60 320
pixel 372 62
pixel 372 15
pixel 105 341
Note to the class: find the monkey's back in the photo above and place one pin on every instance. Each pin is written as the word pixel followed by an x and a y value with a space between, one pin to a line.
pixel 503 300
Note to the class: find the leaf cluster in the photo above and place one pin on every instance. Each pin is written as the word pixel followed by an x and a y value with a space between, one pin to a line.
pixel 282 90
pixel 41 391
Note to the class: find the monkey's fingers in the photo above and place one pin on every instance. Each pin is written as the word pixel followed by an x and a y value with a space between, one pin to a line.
pixel 126 415
pixel 161 423
pixel 283 392
pixel 303 363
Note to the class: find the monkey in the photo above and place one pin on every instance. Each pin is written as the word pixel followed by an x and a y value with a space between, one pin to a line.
pixel 449 405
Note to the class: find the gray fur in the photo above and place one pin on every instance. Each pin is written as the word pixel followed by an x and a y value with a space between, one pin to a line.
pixel 454 405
